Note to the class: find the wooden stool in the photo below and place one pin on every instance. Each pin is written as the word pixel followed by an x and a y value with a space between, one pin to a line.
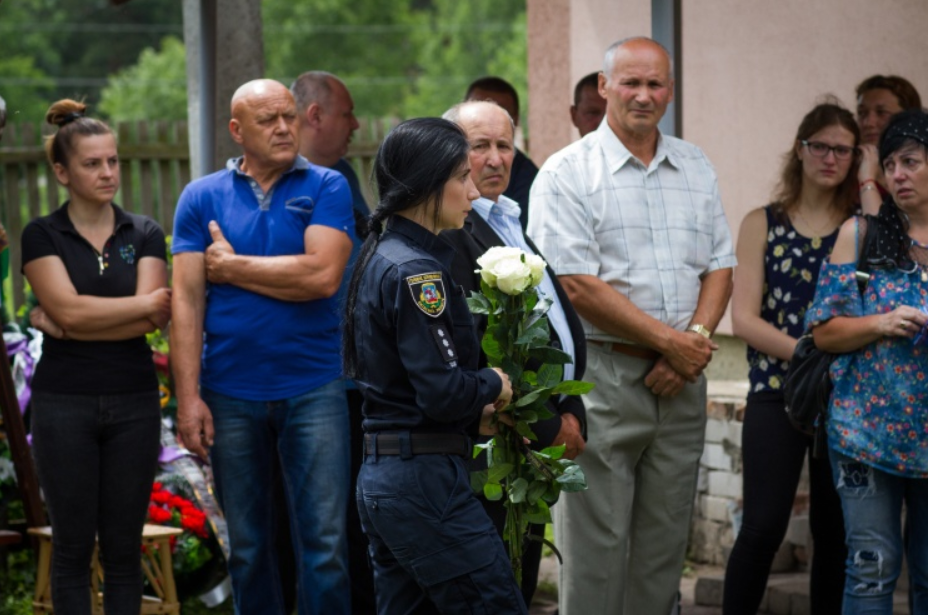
pixel 156 565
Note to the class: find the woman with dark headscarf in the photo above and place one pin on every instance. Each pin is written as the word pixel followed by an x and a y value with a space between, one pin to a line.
pixel 878 413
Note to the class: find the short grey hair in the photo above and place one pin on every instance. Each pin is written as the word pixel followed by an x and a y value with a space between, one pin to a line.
pixel 610 53
pixel 453 114
pixel 313 86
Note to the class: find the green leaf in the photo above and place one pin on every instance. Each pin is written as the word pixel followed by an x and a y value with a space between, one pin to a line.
pixel 573 387
pixel 550 375
pixel 536 490
pixel 534 337
pixel 479 448
pixel 517 490
pixel 499 471
pixel 479 304
pixel 478 480
pixel 525 431
pixel 529 399
pixel 538 513
pixel 547 354
pixel 491 348
pixel 572 479
pixel 493 492
pixel 554 452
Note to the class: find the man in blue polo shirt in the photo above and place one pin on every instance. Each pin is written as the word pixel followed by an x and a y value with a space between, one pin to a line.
pixel 259 251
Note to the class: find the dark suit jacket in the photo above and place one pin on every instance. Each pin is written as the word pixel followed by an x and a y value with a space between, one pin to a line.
pixel 470 243
pixel 520 183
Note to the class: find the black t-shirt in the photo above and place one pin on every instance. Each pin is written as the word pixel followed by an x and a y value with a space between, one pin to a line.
pixel 95 367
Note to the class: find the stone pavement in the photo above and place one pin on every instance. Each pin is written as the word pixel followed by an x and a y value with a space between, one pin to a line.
pixel 787 593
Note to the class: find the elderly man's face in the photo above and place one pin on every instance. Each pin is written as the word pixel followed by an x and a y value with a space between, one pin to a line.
pixel 264 123
pixel 489 133
pixel 638 89
pixel 336 123
pixel 589 111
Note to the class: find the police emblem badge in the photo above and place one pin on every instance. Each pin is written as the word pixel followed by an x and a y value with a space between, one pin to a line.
pixel 428 292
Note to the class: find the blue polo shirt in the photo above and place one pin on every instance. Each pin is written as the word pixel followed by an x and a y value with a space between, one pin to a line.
pixel 256 347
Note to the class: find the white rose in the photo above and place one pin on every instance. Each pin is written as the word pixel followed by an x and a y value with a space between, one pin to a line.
pixel 513 276
pixel 490 258
pixel 537 266
pixel 507 269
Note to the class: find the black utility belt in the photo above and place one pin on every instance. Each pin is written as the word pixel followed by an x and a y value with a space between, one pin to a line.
pixel 408 444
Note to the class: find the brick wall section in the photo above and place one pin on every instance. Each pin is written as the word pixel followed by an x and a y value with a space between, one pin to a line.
pixel 717 512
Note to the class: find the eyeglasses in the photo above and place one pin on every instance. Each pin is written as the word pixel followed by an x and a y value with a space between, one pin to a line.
pixel 820 150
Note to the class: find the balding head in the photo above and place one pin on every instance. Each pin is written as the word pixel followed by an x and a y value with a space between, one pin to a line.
pixel 637 84
pixel 326 114
pixel 490 131
pixel 264 124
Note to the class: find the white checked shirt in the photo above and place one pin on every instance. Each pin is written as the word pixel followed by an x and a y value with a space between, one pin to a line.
pixel 503 218
pixel 650 233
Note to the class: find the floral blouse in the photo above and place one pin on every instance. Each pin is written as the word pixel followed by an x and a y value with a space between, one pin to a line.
pixel 791 265
pixel 879 407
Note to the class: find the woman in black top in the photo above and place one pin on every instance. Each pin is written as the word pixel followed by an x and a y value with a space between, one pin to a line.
pixel 411 348
pixel 100 276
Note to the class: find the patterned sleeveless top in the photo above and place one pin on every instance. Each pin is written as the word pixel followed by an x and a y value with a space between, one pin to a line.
pixel 791 267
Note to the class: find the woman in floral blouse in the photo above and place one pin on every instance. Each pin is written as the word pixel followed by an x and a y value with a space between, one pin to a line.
pixel 878 414
pixel 780 250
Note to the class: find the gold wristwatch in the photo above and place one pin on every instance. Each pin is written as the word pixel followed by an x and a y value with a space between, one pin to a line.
pixel 701 330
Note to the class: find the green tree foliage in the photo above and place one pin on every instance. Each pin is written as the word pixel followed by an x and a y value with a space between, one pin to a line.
pixel 153 88
pixel 73 46
pixel 26 89
pixel 404 58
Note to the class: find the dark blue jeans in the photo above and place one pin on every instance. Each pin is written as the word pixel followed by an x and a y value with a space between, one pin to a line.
pixel 96 457
pixel 433 548
pixel 304 442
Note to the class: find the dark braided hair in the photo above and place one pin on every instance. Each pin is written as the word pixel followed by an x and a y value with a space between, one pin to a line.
pixel 413 164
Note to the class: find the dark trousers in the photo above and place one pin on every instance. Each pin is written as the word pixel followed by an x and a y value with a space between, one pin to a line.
pixel 531 548
pixel 96 458
pixel 432 547
pixel 773 454
pixel 363 599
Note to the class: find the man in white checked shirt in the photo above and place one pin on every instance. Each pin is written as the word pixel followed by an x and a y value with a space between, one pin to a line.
pixel 632 222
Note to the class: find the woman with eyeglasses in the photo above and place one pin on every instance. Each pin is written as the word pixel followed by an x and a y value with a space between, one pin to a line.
pixel 878 415
pixel 780 249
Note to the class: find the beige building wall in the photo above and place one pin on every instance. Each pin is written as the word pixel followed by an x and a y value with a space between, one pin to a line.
pixel 751 70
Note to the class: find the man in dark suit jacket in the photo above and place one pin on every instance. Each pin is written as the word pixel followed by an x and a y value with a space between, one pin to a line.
pixel 494 221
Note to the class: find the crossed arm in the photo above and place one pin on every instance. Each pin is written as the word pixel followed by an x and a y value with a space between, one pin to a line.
pixel 316 274
pixel 64 313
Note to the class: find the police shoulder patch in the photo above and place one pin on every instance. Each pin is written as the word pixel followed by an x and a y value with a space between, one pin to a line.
pixel 428 292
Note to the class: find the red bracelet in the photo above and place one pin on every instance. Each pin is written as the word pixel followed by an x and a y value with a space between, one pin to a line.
pixel 867 181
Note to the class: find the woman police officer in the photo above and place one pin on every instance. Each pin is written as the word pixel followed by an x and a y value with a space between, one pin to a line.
pixel 410 346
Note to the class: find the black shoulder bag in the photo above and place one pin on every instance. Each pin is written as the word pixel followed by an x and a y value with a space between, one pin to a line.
pixel 807 388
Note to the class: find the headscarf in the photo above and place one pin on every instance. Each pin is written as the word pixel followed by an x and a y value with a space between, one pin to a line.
pixel 911 124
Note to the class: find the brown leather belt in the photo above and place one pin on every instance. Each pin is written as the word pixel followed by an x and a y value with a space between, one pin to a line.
pixel 639 352
pixel 418 444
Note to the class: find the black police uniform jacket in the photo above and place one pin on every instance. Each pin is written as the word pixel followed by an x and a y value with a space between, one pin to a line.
pixel 415 341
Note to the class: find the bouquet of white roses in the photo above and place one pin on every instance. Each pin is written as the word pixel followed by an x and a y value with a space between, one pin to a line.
pixel 517 340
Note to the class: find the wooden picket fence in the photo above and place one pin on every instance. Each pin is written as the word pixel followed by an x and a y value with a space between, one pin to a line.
pixel 154 168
